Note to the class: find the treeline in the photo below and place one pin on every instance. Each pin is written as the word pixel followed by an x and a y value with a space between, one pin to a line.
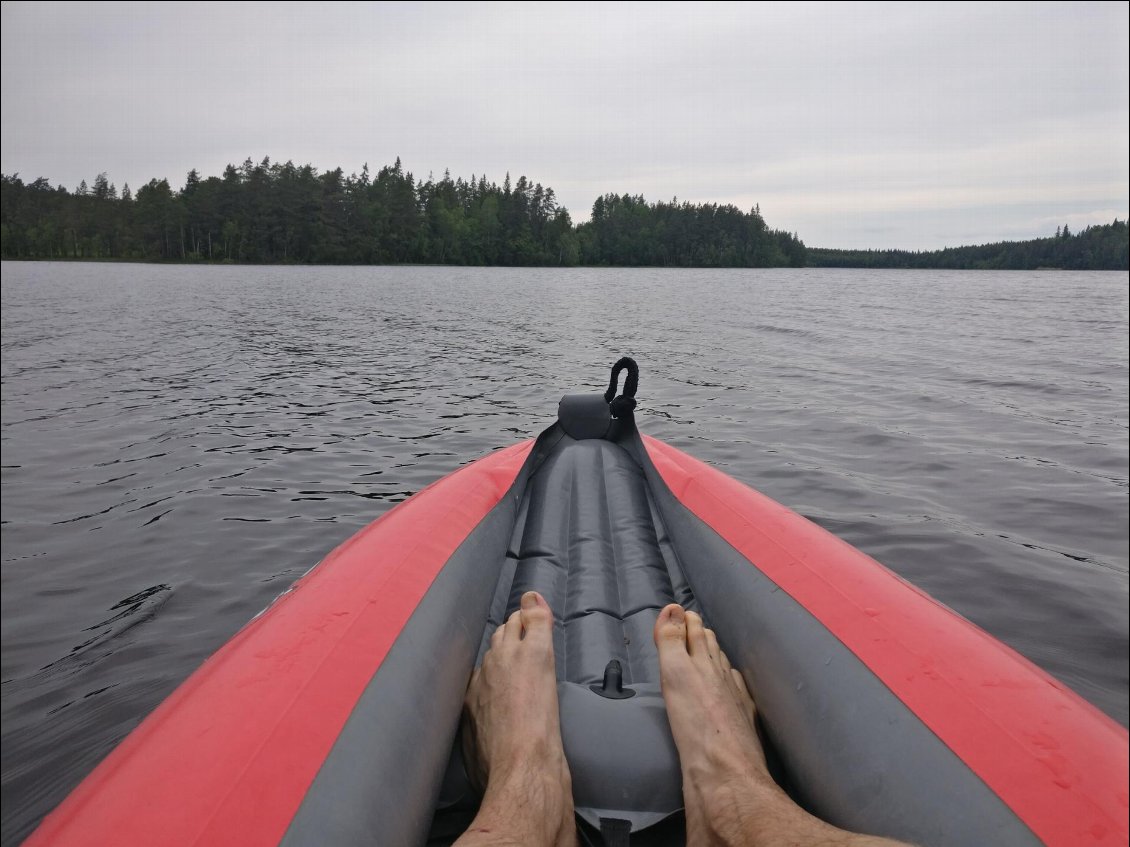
pixel 282 213
pixel 1097 248
pixel 629 231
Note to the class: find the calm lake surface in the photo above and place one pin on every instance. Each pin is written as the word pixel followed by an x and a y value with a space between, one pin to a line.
pixel 181 443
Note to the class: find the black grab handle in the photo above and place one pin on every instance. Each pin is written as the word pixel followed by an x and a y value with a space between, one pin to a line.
pixel 623 405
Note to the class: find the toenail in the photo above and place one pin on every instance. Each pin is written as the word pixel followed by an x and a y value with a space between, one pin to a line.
pixel 675 613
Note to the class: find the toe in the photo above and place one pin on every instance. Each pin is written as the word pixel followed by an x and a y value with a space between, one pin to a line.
pixel 740 686
pixel 712 648
pixel 536 616
pixel 497 636
pixel 671 630
pixel 696 636
pixel 513 626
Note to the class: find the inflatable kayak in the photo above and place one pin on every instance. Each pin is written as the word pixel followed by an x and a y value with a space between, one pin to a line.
pixel 332 717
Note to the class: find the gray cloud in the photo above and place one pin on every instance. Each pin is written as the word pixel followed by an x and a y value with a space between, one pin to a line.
pixel 888 125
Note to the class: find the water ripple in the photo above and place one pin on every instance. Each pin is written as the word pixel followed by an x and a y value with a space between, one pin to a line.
pixel 220 429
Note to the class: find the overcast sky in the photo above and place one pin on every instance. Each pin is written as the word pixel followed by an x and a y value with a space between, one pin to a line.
pixel 916 126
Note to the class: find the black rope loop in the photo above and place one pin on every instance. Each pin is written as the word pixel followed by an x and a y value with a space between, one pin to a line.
pixel 631 383
pixel 622 406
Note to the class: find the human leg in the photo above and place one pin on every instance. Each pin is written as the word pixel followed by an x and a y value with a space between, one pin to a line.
pixel 729 796
pixel 513 726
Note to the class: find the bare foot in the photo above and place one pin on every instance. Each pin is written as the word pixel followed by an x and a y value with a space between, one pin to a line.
pixel 727 791
pixel 513 732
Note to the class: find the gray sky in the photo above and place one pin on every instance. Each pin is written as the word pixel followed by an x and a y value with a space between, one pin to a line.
pixel 911 125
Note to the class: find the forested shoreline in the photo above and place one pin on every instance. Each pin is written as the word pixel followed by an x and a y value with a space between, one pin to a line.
pixel 1096 248
pixel 272 213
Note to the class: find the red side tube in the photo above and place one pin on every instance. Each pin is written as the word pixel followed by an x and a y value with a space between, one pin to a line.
pixel 1058 762
pixel 228 757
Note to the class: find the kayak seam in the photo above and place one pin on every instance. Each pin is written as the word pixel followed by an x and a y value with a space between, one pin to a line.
pixel 616 559
pixel 568 572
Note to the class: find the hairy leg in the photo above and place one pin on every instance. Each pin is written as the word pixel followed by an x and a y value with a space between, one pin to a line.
pixel 513 731
pixel 729 796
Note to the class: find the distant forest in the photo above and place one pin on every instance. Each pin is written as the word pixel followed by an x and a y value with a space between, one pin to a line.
pixel 281 213
pixel 271 213
pixel 1096 248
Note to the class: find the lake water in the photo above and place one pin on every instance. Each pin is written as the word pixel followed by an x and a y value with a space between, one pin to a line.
pixel 181 443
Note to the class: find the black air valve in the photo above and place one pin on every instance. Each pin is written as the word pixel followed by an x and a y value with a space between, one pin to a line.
pixel 613 685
